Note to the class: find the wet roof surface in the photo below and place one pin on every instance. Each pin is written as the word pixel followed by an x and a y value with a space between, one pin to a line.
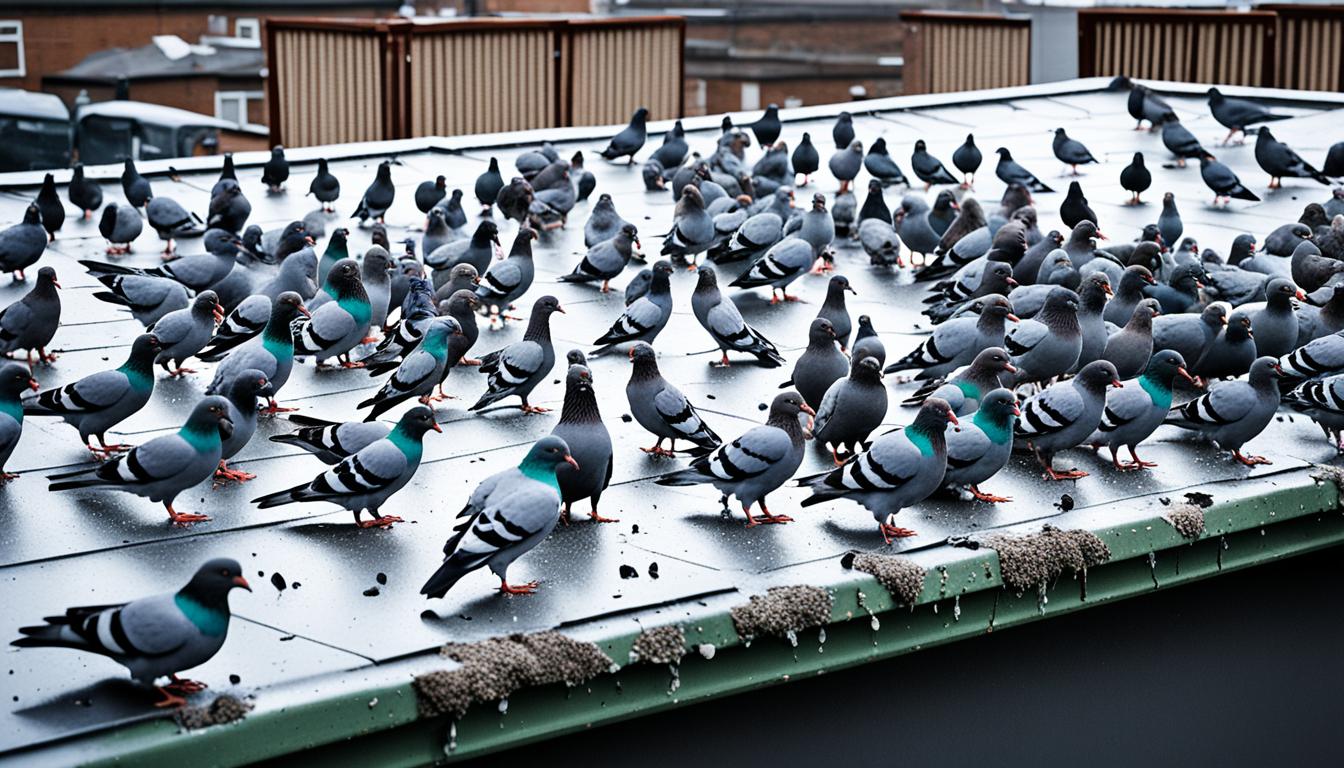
pixel 80 548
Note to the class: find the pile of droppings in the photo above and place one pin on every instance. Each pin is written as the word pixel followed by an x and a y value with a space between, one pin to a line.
pixel 492 669
pixel 1187 519
pixel 899 575
pixel 660 645
pixel 1032 561
pixel 781 611
pixel 1324 473
pixel 224 709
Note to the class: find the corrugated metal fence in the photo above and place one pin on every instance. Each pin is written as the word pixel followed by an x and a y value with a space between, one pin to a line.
pixel 964 51
pixel 348 80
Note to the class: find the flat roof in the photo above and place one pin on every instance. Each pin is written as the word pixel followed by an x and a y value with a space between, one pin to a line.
pixel 329 637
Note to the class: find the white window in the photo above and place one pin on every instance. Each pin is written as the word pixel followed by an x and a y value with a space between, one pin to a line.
pixel 11 49
pixel 751 96
pixel 248 29
pixel 233 106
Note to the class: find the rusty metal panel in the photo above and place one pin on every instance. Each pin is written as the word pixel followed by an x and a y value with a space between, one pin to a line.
pixel 611 71
pixel 935 46
pixel 480 81
pixel 328 86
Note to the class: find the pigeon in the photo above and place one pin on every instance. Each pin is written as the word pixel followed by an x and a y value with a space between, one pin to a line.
pixel 1048 344
pixel 1128 294
pixel 833 309
pixel 589 444
pixel 515 199
pixel 518 368
pixel 1276 323
pixel 644 318
pixel 1130 348
pixel 134 186
pixel 275 172
pixel 172 221
pixel 478 251
pixel 956 342
pixel 902 468
pixel 402 337
pixel 806 160
pixel 242 396
pixel 1316 359
pixel 1028 269
pixel 1143 104
pixel 462 277
pixel 843 130
pixel 757 232
pixel 692 227
pixel 14 380
pixel 508 514
pixel 332 441
pixel 967 159
pixel 767 127
pixel 674 149
pixel 1181 142
pixel 197 272
pixel 1315 322
pixel 913 225
pixel 1071 152
pixel 928 168
pixel 1235 114
pixel 229 208
pixel 630 139
pixel 606 259
pixel 816 227
pixel 852 408
pixel 278 245
pixel 271 351
pixel 1234 412
pixel 325 187
pixel 1133 413
pixel 376 275
pixel 1222 181
pixel 662 409
pixel 990 370
pixel 367 479
pixel 437 233
pixel 49 205
pixel 1136 179
pixel 994 277
pixel 429 193
pixel 756 463
pixel 341 322
pixel 846 163
pixel 1181 292
pixel 185 332
pixel 1321 400
pixel 1279 160
pixel 819 365
pixel 880 166
pixel 1284 239
pixel 603 222
pixel 553 197
pixel 31 322
pixel 867 343
pixel 1169 221
pixel 155 636
pixel 881 242
pixel 1229 353
pixel 722 320
pixel 1075 209
pixel 421 369
pixel 1310 269
pixel 1064 414
pixel 875 205
pixel 164 467
pixel 146 298
pixel 1009 172
pixel 23 244
pixel 506 281
pixel 227 172
pixel 378 197
pixel 970 219
pixel 982 444
pixel 86 195
pixel 488 185
pixel 785 262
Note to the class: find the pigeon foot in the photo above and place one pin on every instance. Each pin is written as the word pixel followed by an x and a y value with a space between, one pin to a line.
pixel 519 589
pixel 989 497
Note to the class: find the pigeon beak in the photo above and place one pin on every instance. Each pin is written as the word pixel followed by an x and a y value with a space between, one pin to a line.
pixel 1116 383
pixel 219 314
pixel 435 426
pixel 225 428
pixel 1200 285
pixel 952 417
pixel 1300 295
pixel 304 311
pixel 805 408
pixel 956 206
pixel 1180 371
pixel 1010 368
pixel 1101 236
pixel 1016 411
pixel 1278 371
pixel 1107 290
pixel 239 581
pixel 1149 280
pixel 571 462
pixel 1014 318
pixel 638 244
pixel 1011 281
pixel 33 385
pixel 561 310
pixel 632 353
pixel 56 283
pixel 309 240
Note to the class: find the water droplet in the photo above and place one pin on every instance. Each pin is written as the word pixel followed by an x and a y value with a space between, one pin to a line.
pixel 875 624
pixel 956 608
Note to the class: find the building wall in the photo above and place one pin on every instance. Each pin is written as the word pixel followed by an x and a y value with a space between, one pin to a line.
pixel 196 94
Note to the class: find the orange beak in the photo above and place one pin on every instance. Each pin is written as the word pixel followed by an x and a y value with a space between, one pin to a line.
pixel 436 427
pixel 1300 295
pixel 1010 368
pixel 1116 383
pixel 33 385
pixel 952 417
pixel 1014 318
pixel 1107 289
pixel 805 408
pixel 1185 374
pixel 304 311
pixel 571 462
pixel 241 582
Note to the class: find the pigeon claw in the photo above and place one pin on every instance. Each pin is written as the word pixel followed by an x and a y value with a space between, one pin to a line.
pixel 989 497
pixel 596 518
pixel 1250 461
pixel 1069 474
pixel 184 518
pixel 891 532
pixel 381 521
pixel 534 409
pixel 518 589
pixel 169 700
pixel 181 685
pixel 273 408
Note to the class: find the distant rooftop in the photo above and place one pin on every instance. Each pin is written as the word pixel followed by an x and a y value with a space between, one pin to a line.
pixel 168 56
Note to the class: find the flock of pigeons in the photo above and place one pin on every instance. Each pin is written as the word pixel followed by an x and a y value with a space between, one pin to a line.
pixel 1042 341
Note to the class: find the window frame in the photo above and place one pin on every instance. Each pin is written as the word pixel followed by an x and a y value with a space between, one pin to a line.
pixel 245 97
pixel 253 22
pixel 16 38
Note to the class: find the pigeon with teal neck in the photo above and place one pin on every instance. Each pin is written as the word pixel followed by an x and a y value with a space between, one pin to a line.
pixel 271 352
pixel 14 380
pixel 337 249
pixel 340 324
pixel 1132 414
pixel 419 372
pixel 983 444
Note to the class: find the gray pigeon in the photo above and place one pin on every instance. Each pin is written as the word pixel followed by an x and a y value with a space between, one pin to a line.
pixel 332 441
pixel 1234 412
pixel 120 226
pixel 757 232
pixel 23 244
pixel 833 309
pixel 662 409
pixel 1236 114
pixel 1009 172
pixel 31 322
pixel 1064 414
pixel 630 139
pixel 378 197
pixel 478 251
pixel 603 222
pixel 242 397
pixel 1283 240
pixel 638 286
pixel 785 262
pixel 243 323
pixel 928 168
pixel 84 194
pixel 506 281
pixel 912 224
pixel 1315 322
pixel 102 400
pixel 692 227
pixel 956 342
pixel 1128 294
pixel 722 320
pixel 990 370
pixel 419 372
pixel 1321 400
pixel 1310 269
pixel 819 365
pixel 298 274
pixel 902 468
pixel 376 276
pixel 981 446
pixel 1279 161
pixel 271 351
pixel 852 408
pixel 1093 292
pixel 1071 152
pixel 339 325
pixel 462 277
pixel 166 466
pixel 1180 141
pixel 14 381
pixel 508 514
pixel 1189 334
pixel 882 167
pixel 229 207
pixel 1276 323
pixel 846 163
pixel 755 464
pixel 607 259
pixel 867 343
pixel 172 222
pixel 589 443
pixel 437 233
pixel 325 186
pixel 197 272
pixel 185 332
pixel 156 636
pixel 1133 413
pixel 366 480
pixel 1047 345
pixel 1223 181
pixel 1130 348
pixel 136 187
pixel 518 368
pixel 146 298
pixel 1229 353
pixel 1316 359
pixel 644 318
